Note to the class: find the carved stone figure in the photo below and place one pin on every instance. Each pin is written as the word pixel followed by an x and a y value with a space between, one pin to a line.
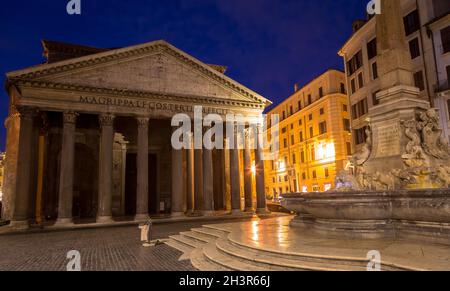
pixel 443 175
pixel 433 142
pixel 383 181
pixel 414 156
pixel 346 182
pixel 363 155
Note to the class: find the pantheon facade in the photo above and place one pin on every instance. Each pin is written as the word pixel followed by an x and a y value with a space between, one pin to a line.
pixel 89 138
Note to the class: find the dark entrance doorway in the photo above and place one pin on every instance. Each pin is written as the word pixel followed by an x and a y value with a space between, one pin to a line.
pixel 131 184
pixel 85 181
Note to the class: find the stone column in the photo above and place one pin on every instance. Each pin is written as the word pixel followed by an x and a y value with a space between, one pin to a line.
pixel 190 178
pixel 248 181
pixel 178 207
pixel 142 170
pixel 67 166
pixel 104 214
pixel 198 180
pixel 261 207
pixel 208 183
pixel 20 202
pixel 234 176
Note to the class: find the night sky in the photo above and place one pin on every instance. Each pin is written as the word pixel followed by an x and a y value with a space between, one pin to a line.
pixel 268 45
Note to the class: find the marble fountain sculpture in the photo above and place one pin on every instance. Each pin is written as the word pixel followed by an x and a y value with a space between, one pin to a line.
pixel 397 185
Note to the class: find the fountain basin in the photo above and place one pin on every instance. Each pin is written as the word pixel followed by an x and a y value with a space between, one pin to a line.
pixel 415 213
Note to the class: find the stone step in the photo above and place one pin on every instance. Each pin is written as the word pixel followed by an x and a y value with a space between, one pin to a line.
pixel 199 237
pixel 213 233
pixel 186 250
pixel 277 262
pixel 211 252
pixel 200 262
pixel 187 241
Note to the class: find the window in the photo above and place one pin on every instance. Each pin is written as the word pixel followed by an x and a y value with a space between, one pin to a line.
pixel 311 132
pixel 360 135
pixel 284 115
pixel 285 143
pixel 343 91
pixel 411 22
pixel 300 122
pixel 310 117
pixel 322 111
pixel 304 176
pixel 346 124
pixel 313 154
pixel 301 136
pixel 302 157
pixel 273 180
pixel 374 71
pixel 292 140
pixel 291 110
pixel 363 109
pixel 292 126
pixel 354 63
pixel 273 166
pixel 309 99
pixel 354 112
pixel 283 130
pixel 372 49
pixel 353 86
pixel 448 108
pixel 414 48
pixel 320 92
pixel 349 149
pixel 344 107
pixel 445 37
pixel 314 174
pixel 327 173
pixel 286 178
pixel 299 105
pixel 323 127
pixel 418 80
pixel 360 80
pixel 375 100
pixel 294 160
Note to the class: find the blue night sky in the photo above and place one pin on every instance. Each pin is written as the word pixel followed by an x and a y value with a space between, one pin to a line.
pixel 268 45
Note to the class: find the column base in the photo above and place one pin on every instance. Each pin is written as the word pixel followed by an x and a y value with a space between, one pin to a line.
pixel 262 211
pixel 249 210
pixel 19 224
pixel 105 219
pixel 141 217
pixel 237 212
pixel 208 213
pixel 64 222
pixel 177 214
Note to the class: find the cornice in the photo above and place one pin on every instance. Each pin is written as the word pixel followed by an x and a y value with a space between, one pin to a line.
pixel 137 94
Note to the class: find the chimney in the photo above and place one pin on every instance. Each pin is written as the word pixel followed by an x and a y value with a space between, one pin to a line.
pixel 295 87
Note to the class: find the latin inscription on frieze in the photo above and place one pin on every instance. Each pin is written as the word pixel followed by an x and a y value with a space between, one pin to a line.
pixel 388 141
pixel 149 106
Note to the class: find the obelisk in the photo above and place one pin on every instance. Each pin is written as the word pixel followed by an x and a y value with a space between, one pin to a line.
pixel 398 98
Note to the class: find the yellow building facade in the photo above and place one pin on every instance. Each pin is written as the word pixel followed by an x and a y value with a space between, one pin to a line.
pixel 314 137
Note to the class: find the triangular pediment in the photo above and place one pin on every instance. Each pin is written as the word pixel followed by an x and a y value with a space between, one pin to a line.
pixel 154 67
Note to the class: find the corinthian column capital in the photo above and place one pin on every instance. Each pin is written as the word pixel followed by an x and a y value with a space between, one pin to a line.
pixel 106 119
pixel 142 122
pixel 70 116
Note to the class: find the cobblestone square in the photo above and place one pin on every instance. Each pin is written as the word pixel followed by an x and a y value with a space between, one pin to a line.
pixel 101 249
